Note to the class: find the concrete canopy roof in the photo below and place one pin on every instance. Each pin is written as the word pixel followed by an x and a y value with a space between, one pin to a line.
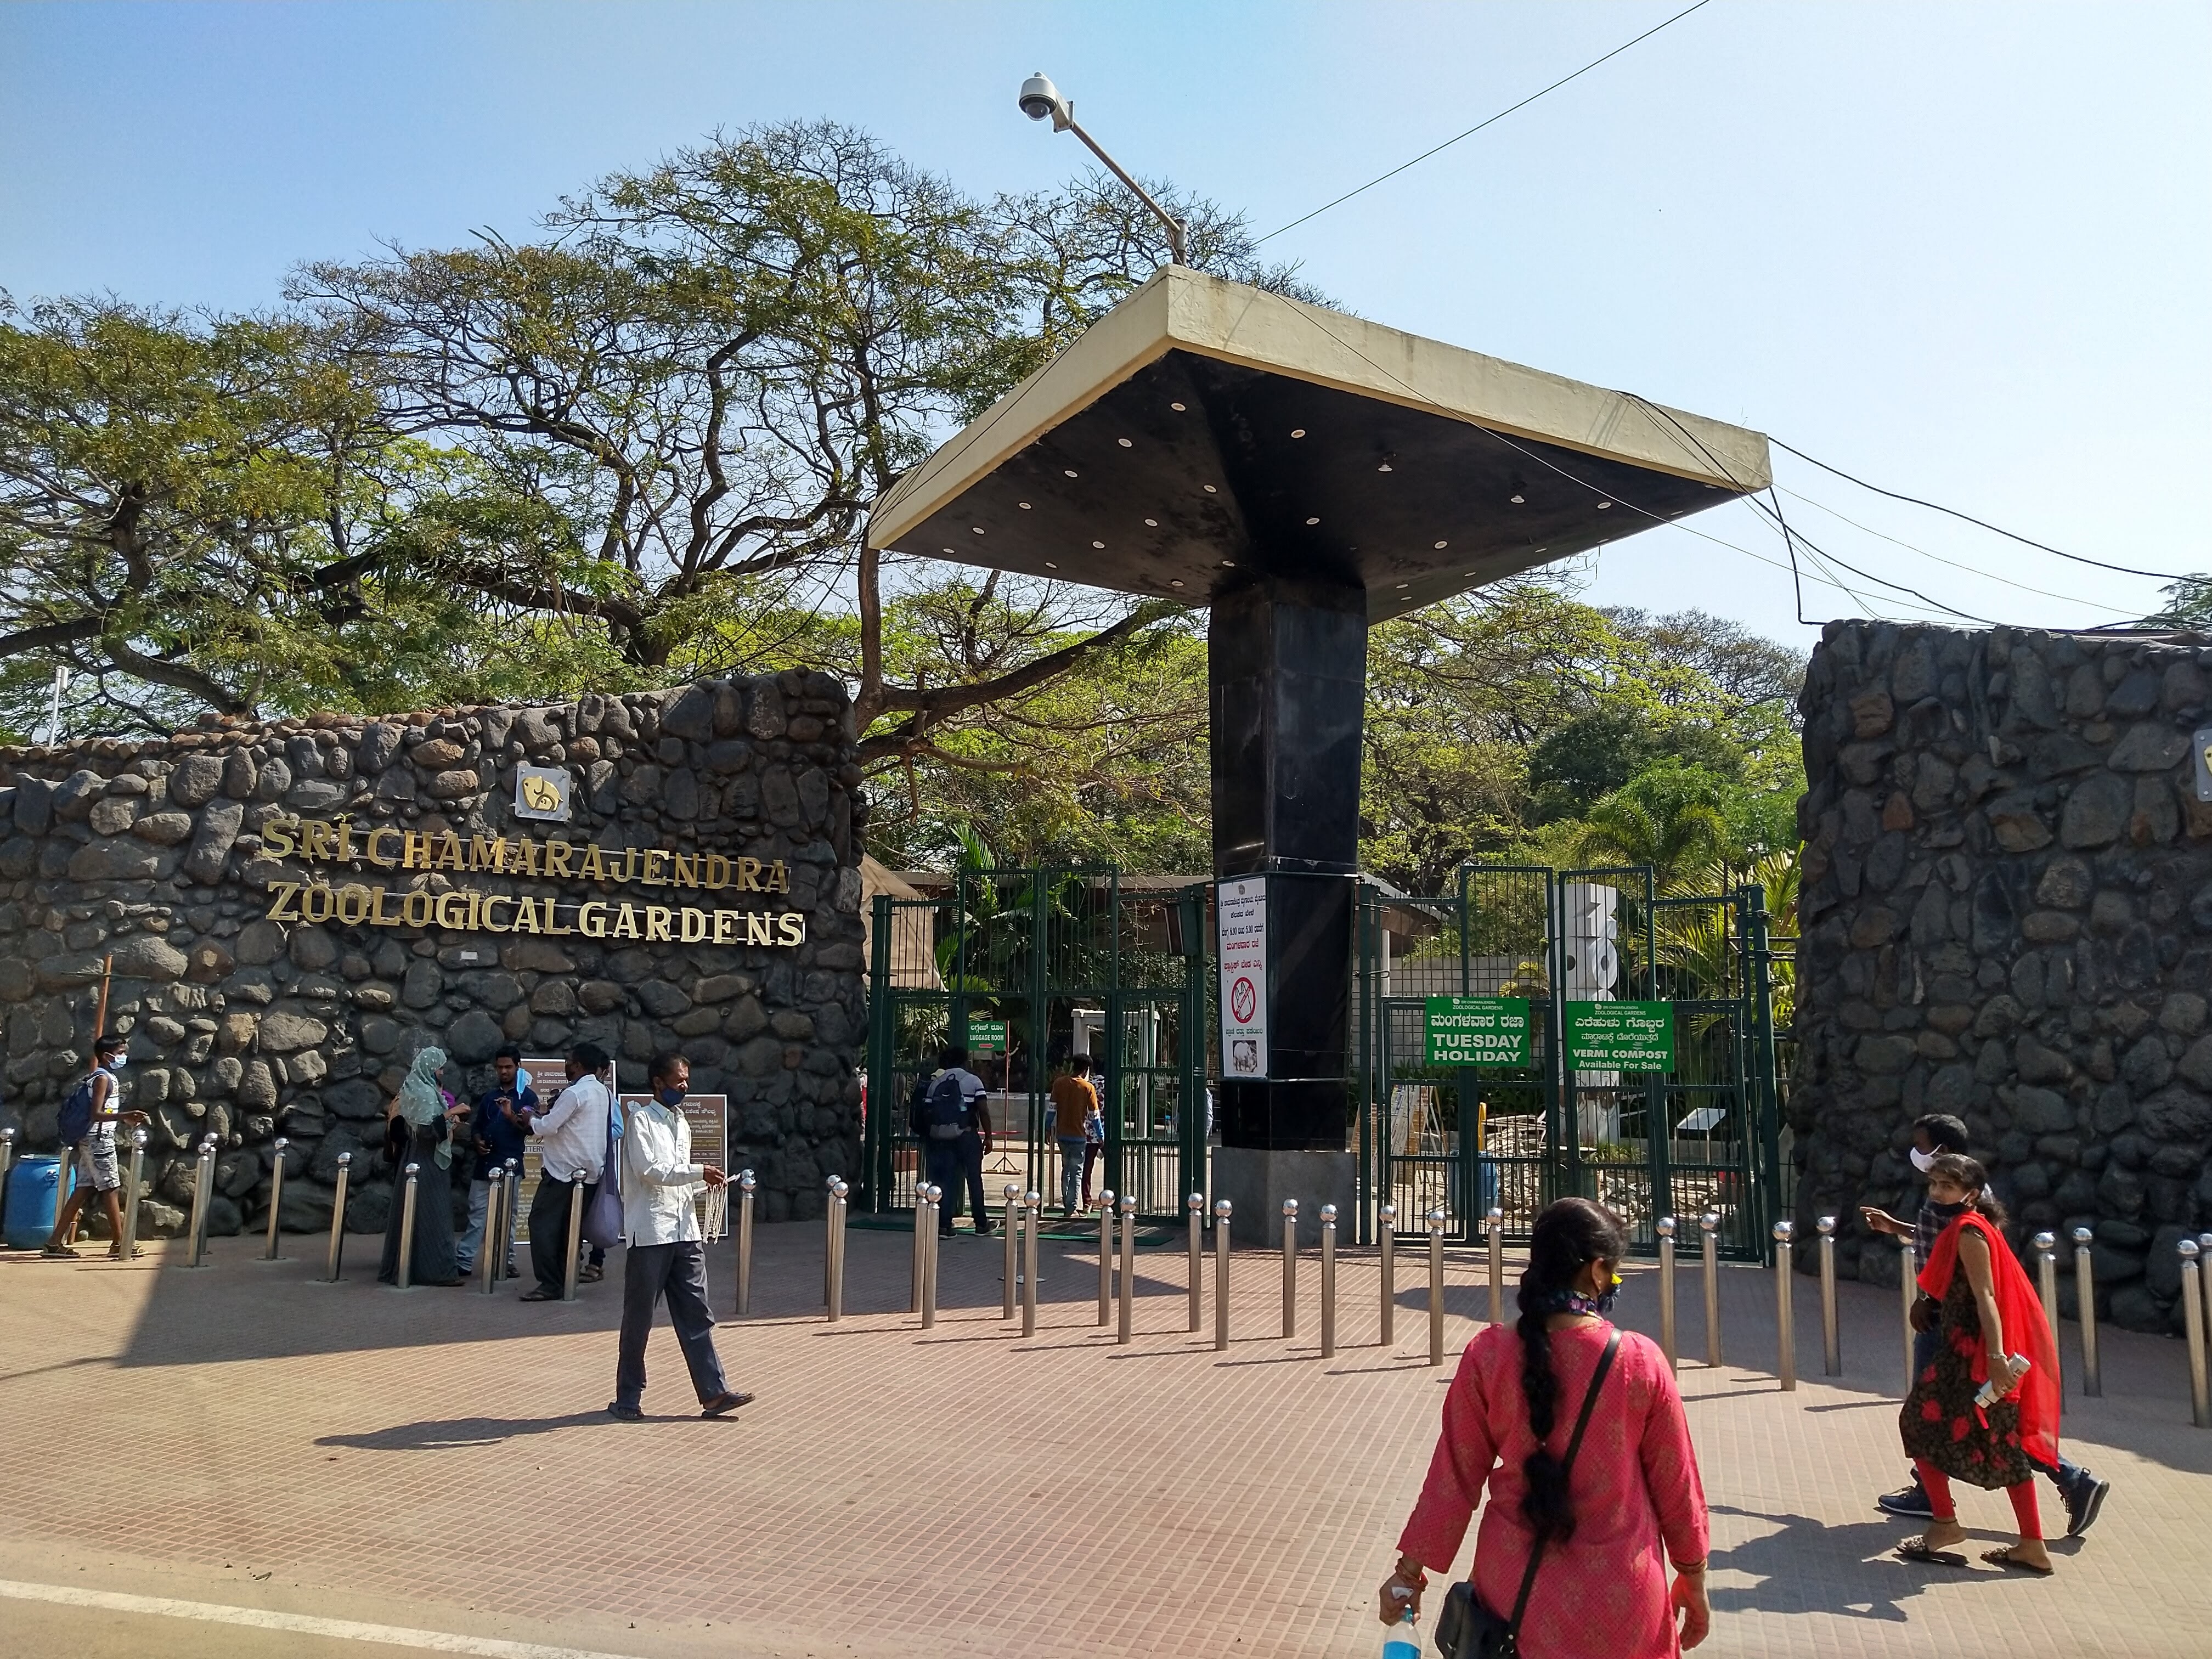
pixel 1203 432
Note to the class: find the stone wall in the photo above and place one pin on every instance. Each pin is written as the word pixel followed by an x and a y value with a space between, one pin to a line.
pixel 2006 915
pixel 248 1021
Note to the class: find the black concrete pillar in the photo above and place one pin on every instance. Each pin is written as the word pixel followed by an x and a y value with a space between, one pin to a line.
pixel 1287 660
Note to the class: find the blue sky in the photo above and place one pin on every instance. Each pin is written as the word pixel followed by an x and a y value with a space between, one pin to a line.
pixel 1961 251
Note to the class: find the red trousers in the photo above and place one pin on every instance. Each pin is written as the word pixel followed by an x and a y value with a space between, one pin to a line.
pixel 1937 1486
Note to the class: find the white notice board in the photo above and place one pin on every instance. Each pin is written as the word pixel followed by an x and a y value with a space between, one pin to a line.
pixel 1241 912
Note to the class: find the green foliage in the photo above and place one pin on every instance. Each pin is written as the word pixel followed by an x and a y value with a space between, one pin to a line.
pixel 2188 604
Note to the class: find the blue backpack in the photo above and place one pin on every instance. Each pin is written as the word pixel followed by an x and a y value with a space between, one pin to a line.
pixel 75 1121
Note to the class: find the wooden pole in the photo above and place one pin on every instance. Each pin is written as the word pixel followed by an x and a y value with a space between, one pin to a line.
pixel 99 1013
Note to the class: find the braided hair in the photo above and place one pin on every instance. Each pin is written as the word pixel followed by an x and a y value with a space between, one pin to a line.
pixel 1570 1235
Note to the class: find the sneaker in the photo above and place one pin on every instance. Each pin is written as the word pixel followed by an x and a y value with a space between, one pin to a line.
pixel 2084 1500
pixel 514 1272
pixel 60 1253
pixel 623 1413
pixel 1912 1501
pixel 984 1229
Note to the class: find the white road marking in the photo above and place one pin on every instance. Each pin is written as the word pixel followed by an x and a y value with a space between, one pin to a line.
pixel 342 1630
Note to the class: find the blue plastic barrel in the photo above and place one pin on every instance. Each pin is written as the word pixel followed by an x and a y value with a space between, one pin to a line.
pixel 31 1200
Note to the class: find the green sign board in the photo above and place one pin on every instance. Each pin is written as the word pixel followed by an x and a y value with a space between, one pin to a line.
pixel 1621 1036
pixel 1478 1030
pixel 988 1034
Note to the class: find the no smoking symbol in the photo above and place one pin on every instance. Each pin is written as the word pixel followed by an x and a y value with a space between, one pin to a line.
pixel 1243 1000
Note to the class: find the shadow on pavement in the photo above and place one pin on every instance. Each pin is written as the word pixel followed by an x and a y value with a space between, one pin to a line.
pixel 446 1433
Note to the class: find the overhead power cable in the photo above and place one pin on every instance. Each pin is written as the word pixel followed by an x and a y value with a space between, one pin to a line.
pixel 1937 507
pixel 1479 125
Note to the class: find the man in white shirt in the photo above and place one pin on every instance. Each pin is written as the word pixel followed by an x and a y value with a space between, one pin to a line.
pixel 666 1256
pixel 572 1144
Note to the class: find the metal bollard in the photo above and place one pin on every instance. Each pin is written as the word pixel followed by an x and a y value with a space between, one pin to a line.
pixel 1785 1317
pixel 1032 1223
pixel 1495 1221
pixel 837 1191
pixel 747 1183
pixel 2192 1303
pixel 2046 1281
pixel 337 1219
pixel 2085 1293
pixel 1012 1271
pixel 487 1257
pixel 1195 1204
pixel 575 1237
pixel 6 1163
pixel 1128 1265
pixel 134 1183
pixel 203 1191
pixel 1908 1286
pixel 1436 1288
pixel 407 1228
pixel 1708 1224
pixel 275 1198
pixel 1666 1228
pixel 2204 1261
pixel 828 1224
pixel 1329 1281
pixel 1221 1212
pixel 1832 1339
pixel 1105 1258
pixel 1290 1269
pixel 913 1270
pixel 929 1197
pixel 1386 1230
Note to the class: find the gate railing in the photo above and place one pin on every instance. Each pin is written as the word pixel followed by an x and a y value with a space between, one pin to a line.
pixel 1701 1136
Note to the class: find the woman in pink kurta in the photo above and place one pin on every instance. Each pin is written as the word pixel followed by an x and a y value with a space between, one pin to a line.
pixel 1632 1503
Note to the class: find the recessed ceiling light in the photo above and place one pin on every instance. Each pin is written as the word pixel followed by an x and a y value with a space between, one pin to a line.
pixel 1069 471
pixel 1517 500
pixel 1024 506
pixel 1602 505
pixel 1313 520
pixel 1211 491
pixel 1175 581
pixel 1385 467
pixel 1101 546
pixel 977 528
pixel 1125 443
pixel 1176 407
pixel 1442 545
pixel 1228 565
pixel 1298 432
pixel 1405 584
pixel 1049 565
pixel 948 550
pixel 1154 523
pixel 1543 550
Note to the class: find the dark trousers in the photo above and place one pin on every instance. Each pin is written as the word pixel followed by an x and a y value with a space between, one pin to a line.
pixel 677 1272
pixel 955 1165
pixel 549 1231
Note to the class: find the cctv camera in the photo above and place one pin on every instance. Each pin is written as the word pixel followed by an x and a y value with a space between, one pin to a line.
pixel 1040 99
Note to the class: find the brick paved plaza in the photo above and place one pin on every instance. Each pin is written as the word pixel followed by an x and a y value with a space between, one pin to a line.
pixel 437 1460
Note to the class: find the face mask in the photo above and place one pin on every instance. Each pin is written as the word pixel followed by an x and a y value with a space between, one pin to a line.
pixel 1921 1160
pixel 672 1098
pixel 115 1062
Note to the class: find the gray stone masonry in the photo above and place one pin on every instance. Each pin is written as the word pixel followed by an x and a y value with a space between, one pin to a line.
pixel 2007 915
pixel 248 1027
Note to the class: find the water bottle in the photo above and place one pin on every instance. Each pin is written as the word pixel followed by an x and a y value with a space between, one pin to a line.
pixel 1987 1394
pixel 1404 1639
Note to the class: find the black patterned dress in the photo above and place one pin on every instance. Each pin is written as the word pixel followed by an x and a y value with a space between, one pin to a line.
pixel 1940 1421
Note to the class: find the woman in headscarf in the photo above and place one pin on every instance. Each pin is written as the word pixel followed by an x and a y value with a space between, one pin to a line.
pixel 419 1130
pixel 1985 1410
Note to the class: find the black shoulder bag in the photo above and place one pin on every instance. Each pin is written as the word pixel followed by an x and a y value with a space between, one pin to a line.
pixel 1466 1629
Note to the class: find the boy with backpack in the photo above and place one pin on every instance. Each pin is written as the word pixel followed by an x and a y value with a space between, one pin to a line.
pixel 952 1122
pixel 87 1124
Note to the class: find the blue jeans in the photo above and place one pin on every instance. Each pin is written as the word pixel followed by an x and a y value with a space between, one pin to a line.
pixel 2064 1472
pixel 1070 1172
pixel 465 1253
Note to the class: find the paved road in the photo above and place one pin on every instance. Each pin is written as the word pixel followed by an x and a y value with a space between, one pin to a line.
pixel 438 1461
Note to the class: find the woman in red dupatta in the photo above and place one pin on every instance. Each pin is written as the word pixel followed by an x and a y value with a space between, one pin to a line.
pixel 1990 1315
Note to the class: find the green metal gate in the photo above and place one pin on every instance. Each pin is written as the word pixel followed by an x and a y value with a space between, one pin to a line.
pixel 1466 1139
pixel 1067 960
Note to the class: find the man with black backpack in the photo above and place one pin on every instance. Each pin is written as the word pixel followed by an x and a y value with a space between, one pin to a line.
pixel 953 1123
pixel 87 1124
